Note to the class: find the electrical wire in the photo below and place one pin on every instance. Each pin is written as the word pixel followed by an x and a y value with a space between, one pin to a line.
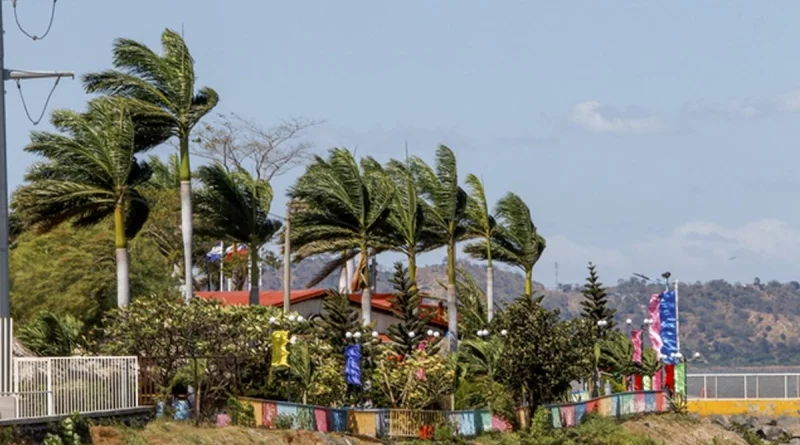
pixel 33 36
pixel 46 102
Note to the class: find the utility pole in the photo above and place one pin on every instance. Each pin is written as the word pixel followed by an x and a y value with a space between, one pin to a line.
pixel 5 297
pixel 287 261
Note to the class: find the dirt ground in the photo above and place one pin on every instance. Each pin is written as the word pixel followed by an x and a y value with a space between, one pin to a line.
pixel 674 430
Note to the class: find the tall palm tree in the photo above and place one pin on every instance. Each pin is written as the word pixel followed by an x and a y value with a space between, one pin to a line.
pixel 447 202
pixel 341 206
pixel 482 225
pixel 89 173
pixel 515 240
pixel 235 206
pixel 161 89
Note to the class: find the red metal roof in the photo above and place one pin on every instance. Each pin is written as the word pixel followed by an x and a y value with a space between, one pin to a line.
pixel 275 298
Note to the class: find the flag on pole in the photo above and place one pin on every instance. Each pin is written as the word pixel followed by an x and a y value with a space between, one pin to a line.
pixel 655 323
pixel 241 249
pixel 669 327
pixel 215 254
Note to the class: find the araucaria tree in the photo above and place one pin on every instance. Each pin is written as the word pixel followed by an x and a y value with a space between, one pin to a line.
pixel 412 329
pixel 515 240
pixel 447 202
pixel 235 206
pixel 595 303
pixel 164 104
pixel 341 206
pixel 89 173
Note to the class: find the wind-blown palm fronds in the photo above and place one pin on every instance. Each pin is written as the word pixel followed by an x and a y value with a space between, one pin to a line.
pixel 88 174
pixel 482 225
pixel 52 336
pixel 341 207
pixel 515 240
pixel 447 202
pixel 235 206
pixel 161 92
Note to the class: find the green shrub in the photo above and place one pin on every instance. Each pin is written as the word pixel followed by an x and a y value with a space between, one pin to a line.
pixel 284 421
pixel 241 415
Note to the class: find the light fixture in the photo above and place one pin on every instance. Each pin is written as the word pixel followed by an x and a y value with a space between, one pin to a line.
pixel 696 355
pixel 348 334
pixel 503 332
pixel 300 318
pixel 357 335
pixel 272 320
pixel 430 333
pixel 436 335
pixel 374 334
pixel 411 334
pixel 291 318
pixel 629 321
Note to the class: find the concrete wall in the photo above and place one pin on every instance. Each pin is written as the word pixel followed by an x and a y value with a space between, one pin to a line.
pixel 773 407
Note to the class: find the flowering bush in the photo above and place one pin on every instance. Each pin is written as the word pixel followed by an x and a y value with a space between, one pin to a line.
pixel 418 381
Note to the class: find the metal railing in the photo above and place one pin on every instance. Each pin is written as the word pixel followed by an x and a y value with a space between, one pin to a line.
pixel 64 385
pixel 743 386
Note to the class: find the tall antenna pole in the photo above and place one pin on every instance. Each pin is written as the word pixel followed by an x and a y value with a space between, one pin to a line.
pixel 5 297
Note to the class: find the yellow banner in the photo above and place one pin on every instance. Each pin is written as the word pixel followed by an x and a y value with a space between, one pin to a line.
pixel 280 353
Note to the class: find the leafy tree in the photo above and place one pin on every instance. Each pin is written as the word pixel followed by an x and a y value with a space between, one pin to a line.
pixel 595 303
pixel 448 218
pixel 419 381
pixel 161 91
pixel 70 272
pixel 479 363
pixel 89 174
pixel 337 319
pixel 302 369
pixel 52 336
pixel 543 354
pixel 340 206
pixel 407 335
pixel 482 225
pixel 235 206
pixel 472 304
pixel 515 240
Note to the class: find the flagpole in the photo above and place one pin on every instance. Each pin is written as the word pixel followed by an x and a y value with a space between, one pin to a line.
pixel 677 319
pixel 221 264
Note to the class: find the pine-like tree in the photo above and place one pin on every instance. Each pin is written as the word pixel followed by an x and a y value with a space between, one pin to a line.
pixel 595 303
pixel 337 319
pixel 413 326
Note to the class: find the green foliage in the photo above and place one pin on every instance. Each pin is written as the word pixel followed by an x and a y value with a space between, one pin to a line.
pixel 284 421
pixel 9 435
pixel 472 304
pixel 71 431
pixel 337 319
pixel 418 381
pixel 240 414
pixel 543 354
pixel 52 336
pixel 406 307
pixel 72 272
pixel 595 303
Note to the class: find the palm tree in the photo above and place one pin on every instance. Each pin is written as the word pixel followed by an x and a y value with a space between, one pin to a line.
pixel 89 174
pixel 161 89
pixel 341 206
pixel 482 225
pixel 448 218
pixel 515 240
pixel 235 206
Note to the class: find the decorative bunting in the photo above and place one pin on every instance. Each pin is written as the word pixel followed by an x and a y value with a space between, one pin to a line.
pixel 280 353
pixel 352 367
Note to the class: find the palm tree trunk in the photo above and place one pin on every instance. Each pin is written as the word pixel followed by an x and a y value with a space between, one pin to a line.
pixel 366 293
pixel 489 282
pixel 452 304
pixel 121 243
pixel 254 284
pixel 186 214
pixel 529 283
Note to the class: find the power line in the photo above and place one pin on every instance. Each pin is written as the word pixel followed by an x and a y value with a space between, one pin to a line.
pixel 33 36
pixel 46 102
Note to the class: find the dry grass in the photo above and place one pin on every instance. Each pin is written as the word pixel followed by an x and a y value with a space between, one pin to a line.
pixel 169 433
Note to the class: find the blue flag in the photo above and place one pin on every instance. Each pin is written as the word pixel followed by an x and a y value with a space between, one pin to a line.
pixel 352 366
pixel 215 254
pixel 669 327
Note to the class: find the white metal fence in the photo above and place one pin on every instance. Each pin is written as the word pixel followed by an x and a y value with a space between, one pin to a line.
pixel 743 386
pixel 64 385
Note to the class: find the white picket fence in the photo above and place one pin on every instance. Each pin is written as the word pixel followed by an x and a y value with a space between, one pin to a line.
pixel 63 385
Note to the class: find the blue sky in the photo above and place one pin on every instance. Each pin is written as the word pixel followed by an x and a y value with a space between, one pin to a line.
pixel 645 136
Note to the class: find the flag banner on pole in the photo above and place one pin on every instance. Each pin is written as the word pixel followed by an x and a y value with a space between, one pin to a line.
pixel 352 366
pixel 655 326
pixel 657 379
pixel 669 327
pixel 280 352
pixel 241 249
pixel 669 377
pixel 680 379
pixel 215 254
pixel 636 339
pixel 648 383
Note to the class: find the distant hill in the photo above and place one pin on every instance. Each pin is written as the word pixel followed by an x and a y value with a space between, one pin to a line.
pixel 730 324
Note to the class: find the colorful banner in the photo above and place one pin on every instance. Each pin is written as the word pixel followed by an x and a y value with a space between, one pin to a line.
pixel 669 377
pixel 680 379
pixel 669 327
pixel 657 379
pixel 352 366
pixel 280 353
pixel 636 339
pixel 655 323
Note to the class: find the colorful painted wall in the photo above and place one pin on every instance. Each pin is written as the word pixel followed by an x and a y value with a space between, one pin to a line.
pixel 765 407
pixel 615 405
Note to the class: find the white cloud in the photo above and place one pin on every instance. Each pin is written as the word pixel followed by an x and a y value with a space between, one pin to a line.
pixel 595 117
